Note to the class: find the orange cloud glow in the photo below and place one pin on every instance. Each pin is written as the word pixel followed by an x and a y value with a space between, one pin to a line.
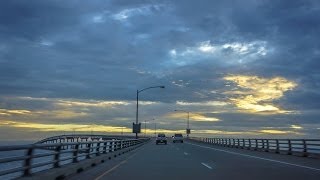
pixel 193 116
pixel 255 94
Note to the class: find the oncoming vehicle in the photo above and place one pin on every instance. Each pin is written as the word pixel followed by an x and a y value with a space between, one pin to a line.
pixel 177 138
pixel 161 139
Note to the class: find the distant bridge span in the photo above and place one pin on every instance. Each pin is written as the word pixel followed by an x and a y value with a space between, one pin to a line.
pixel 80 138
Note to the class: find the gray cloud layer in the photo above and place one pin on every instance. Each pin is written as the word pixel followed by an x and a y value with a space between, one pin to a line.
pixel 105 50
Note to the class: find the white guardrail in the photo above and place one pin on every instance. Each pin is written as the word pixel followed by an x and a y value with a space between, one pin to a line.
pixel 303 147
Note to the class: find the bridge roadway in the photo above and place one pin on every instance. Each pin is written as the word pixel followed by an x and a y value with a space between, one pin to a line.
pixel 194 160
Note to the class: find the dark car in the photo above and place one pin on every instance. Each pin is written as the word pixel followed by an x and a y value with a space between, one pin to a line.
pixel 161 139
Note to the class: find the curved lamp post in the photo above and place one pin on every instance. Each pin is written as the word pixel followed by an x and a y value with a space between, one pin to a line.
pixel 188 128
pixel 137 130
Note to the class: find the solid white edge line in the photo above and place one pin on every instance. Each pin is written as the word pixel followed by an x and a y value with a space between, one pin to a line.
pixel 256 157
pixel 206 165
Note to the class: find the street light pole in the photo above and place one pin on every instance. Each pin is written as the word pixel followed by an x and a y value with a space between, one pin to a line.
pixel 188 124
pixel 145 128
pixel 137 108
pixel 155 129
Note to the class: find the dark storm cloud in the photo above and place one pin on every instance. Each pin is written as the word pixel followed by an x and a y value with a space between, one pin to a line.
pixel 54 45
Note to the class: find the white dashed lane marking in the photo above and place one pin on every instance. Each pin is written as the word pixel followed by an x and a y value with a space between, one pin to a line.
pixel 257 157
pixel 206 165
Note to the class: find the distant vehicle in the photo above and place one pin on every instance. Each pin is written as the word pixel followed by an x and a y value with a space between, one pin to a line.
pixel 177 138
pixel 161 139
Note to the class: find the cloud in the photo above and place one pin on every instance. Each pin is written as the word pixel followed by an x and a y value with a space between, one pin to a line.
pixel 296 127
pixel 81 63
pixel 142 10
pixel 54 114
pixel 255 94
pixel 225 133
pixel 14 112
pixel 63 127
pixel 277 132
pixel 233 53
pixel 192 116
pixel 207 103
pixel 90 103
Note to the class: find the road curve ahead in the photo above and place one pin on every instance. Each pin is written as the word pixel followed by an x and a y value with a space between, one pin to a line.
pixel 192 160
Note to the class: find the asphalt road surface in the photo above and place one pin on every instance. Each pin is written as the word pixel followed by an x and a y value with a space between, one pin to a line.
pixel 192 160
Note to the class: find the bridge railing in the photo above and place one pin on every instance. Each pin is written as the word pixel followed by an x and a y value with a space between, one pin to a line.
pixel 304 147
pixel 28 159
pixel 80 138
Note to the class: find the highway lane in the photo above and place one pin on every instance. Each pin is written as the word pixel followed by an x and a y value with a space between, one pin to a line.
pixel 193 160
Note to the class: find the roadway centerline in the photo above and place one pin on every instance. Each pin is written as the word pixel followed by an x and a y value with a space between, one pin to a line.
pixel 206 165
pixel 107 172
pixel 256 157
pixel 115 167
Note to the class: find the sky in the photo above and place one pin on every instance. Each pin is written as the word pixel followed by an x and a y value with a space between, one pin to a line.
pixel 241 68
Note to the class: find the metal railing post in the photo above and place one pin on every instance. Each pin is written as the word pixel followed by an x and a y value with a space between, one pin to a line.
pixel 277 146
pixel 267 150
pixel 27 162
pixel 289 147
pixel 88 151
pixel 57 157
pixel 305 148
pixel 75 153
pixel 256 147
pixel 119 145
pixel 104 147
pixel 98 149
pixel 115 146
pixel 110 146
pixel 249 144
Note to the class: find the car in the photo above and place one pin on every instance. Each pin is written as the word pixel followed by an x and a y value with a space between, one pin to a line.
pixel 161 139
pixel 177 138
